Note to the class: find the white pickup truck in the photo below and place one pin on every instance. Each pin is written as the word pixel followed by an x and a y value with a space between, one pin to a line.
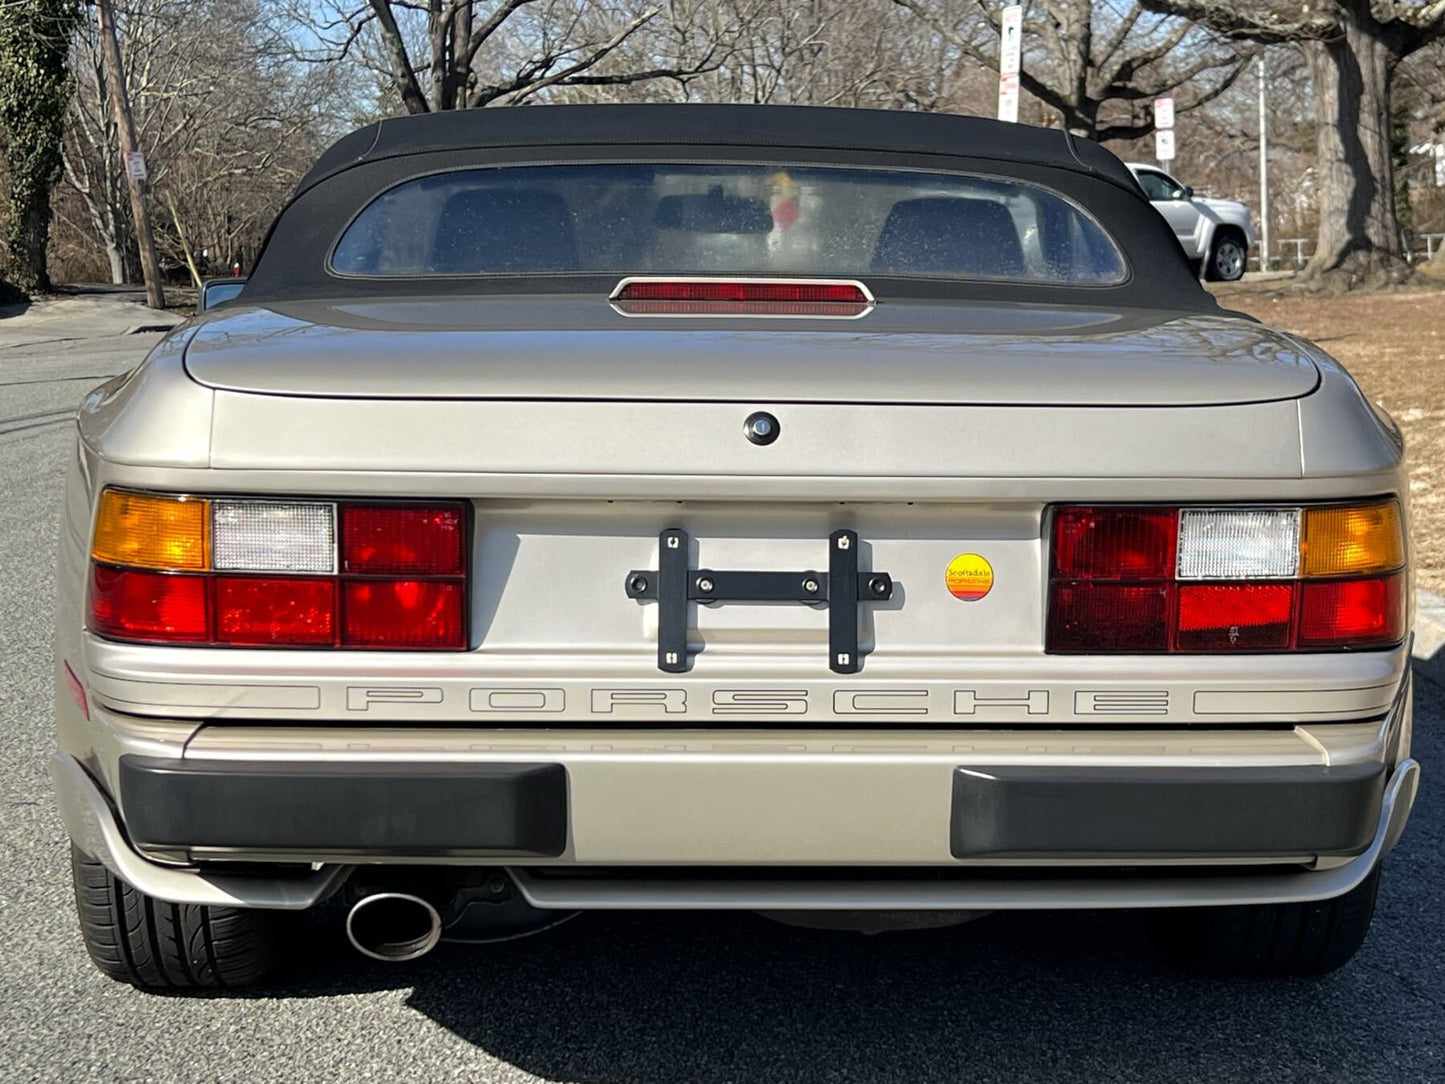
pixel 1216 233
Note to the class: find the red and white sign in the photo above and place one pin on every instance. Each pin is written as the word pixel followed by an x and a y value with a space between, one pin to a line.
pixel 1010 61
pixel 1163 112
pixel 1008 98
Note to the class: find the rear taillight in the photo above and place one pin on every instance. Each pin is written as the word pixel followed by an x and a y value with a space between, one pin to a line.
pixel 702 296
pixel 1149 580
pixel 187 570
pixel 132 604
pixel 389 539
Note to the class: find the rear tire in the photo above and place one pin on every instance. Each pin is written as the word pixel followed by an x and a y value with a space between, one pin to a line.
pixel 156 945
pixel 1228 257
pixel 1282 940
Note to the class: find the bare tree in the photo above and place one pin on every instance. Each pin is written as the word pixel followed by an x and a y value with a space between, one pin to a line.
pixel 857 53
pixel 229 123
pixel 1086 60
pixel 458 54
pixel 1354 47
pixel 861 53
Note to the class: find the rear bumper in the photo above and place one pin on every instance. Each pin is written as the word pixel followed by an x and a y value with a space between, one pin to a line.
pixel 523 810
pixel 1135 813
pixel 393 809
pixel 276 816
pixel 91 822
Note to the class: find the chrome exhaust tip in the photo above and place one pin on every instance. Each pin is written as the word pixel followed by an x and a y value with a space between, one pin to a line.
pixel 393 926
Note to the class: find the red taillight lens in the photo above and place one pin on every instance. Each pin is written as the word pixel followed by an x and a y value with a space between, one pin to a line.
pixel 283 573
pixel 741 297
pixel 1115 543
pixel 158 607
pixel 1352 613
pixel 1226 579
pixel 1225 617
pixel 266 611
pixel 402 540
pixel 1106 617
pixel 742 290
pixel 403 614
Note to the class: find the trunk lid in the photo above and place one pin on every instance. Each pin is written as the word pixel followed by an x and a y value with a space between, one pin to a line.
pixel 558 348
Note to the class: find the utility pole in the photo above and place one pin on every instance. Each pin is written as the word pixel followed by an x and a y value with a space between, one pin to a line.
pixel 1263 165
pixel 135 171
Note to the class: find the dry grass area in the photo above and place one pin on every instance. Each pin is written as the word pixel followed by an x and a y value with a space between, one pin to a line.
pixel 1394 344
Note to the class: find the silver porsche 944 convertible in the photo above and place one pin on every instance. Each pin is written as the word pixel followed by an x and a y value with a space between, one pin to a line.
pixel 861 518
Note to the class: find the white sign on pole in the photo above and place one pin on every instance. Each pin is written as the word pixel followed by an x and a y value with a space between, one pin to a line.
pixel 1011 32
pixel 1010 60
pixel 1008 98
pixel 1164 144
pixel 1163 112
pixel 135 165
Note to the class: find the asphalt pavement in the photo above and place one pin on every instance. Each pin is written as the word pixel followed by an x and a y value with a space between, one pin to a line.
pixel 645 997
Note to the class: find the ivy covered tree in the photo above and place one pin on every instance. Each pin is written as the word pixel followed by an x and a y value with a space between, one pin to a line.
pixel 35 40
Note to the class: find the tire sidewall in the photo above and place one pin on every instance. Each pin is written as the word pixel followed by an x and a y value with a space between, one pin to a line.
pixel 1225 243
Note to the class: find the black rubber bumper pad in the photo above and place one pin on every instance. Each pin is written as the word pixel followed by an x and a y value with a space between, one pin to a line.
pixel 433 809
pixel 1171 812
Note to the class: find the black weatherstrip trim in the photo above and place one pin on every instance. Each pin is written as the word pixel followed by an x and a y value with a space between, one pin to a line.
pixel 1164 812
pixel 482 808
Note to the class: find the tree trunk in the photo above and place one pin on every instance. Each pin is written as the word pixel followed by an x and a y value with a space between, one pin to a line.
pixel 1359 236
pixel 110 228
pixel 29 238
pixel 117 263
pixel 34 91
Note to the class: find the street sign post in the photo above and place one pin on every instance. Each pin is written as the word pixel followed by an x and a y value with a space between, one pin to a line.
pixel 1264 247
pixel 1163 112
pixel 1164 129
pixel 1010 62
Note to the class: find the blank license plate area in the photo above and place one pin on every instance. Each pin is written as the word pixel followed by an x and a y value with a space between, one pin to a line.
pixel 551 578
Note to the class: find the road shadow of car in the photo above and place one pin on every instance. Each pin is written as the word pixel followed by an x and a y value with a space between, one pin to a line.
pixel 654 997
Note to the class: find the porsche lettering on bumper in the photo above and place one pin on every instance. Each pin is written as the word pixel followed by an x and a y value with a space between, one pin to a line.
pixel 652 700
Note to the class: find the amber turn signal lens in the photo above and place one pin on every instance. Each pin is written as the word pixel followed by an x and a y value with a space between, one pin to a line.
pixel 1352 541
pixel 141 530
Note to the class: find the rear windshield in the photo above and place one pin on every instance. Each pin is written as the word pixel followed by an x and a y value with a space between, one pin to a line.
pixel 726 219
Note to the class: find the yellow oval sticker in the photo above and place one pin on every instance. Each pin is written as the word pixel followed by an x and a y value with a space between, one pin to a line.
pixel 969 577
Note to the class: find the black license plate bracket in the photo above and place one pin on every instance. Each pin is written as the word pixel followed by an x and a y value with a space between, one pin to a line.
pixel 842 589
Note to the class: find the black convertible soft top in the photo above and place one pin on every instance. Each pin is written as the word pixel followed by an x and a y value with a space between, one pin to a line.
pixel 810 127
pixel 361 166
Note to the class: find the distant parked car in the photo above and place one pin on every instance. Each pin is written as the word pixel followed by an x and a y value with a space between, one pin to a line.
pixel 1216 233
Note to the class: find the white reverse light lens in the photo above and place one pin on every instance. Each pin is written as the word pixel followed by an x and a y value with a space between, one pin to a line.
pixel 271 536
pixel 1247 544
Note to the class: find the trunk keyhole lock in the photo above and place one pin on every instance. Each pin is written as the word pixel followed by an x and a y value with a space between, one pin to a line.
pixel 760 427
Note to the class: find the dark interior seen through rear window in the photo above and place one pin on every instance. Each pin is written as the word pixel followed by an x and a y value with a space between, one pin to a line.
pixel 726 219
